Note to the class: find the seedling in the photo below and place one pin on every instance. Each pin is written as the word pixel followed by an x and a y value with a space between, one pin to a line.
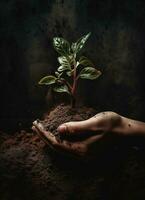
pixel 71 67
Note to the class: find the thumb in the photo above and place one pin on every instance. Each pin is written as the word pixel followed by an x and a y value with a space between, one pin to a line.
pixel 72 128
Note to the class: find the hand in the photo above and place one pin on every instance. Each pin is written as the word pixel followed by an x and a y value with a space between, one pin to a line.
pixel 94 132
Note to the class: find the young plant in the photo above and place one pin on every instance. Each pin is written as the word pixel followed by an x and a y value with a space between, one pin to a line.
pixel 71 67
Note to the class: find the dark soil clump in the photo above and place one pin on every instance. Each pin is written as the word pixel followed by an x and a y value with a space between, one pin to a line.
pixel 62 114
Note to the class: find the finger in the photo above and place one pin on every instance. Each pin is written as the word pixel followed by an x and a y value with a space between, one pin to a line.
pixel 73 128
pixel 46 136
pixel 93 139
pixel 74 148
pixel 41 136
pixel 45 140
pixel 64 146
pixel 49 138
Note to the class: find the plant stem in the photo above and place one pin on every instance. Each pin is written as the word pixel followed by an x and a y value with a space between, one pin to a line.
pixel 73 101
pixel 74 85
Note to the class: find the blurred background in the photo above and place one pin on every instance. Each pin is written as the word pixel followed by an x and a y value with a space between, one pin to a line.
pixel 116 46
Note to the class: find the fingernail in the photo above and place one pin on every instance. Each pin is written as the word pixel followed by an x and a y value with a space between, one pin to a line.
pixel 62 128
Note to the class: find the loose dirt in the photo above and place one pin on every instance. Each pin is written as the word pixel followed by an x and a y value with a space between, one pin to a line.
pixel 30 170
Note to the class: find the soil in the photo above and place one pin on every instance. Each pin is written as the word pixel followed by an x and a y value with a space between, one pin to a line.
pixel 64 113
pixel 30 170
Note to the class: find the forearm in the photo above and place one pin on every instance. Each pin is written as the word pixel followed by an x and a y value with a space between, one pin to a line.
pixel 129 127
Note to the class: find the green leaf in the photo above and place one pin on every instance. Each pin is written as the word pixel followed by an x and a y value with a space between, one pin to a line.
pixel 73 47
pixel 62 68
pixel 69 73
pixel 77 64
pixel 64 61
pixel 47 80
pixel 61 46
pixel 89 73
pixel 85 62
pixel 57 74
pixel 71 58
pixel 81 42
pixel 61 88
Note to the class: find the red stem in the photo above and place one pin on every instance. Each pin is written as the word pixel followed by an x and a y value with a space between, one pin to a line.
pixel 74 80
pixel 74 85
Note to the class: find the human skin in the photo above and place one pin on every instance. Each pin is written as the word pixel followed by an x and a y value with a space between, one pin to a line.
pixel 101 128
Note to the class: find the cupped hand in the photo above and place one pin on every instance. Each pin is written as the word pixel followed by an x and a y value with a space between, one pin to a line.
pixel 87 134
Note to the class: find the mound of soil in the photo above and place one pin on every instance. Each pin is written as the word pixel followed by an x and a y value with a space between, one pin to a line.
pixel 30 170
pixel 64 113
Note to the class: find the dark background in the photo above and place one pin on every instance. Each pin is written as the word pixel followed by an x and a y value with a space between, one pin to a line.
pixel 117 47
pixel 28 168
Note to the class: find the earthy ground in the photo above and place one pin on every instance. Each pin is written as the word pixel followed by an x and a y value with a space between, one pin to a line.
pixel 30 170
